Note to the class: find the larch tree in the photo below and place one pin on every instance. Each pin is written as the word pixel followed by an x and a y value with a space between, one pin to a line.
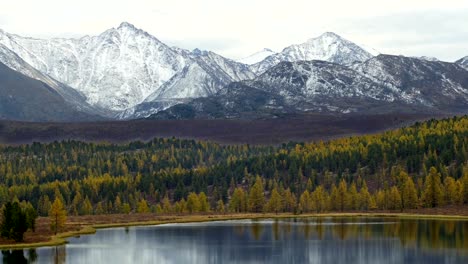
pixel 409 195
pixel 305 202
pixel 275 204
pixel 166 205
pixel 353 197
pixel 238 202
pixel 204 204
pixel 220 206
pixel 464 189
pixel 57 215
pixel 193 203
pixel 433 194
pixel 289 201
pixel 256 196
pixel 364 198
pixel 319 199
pixel 143 207
pixel 342 196
pixel 450 186
pixel 86 207
pixel 394 199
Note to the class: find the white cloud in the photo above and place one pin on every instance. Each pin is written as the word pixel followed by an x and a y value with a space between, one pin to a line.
pixel 237 28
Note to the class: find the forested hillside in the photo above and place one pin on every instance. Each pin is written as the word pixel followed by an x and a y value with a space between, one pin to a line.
pixel 424 165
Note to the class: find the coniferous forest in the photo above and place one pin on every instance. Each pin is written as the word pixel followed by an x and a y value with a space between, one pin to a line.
pixel 421 166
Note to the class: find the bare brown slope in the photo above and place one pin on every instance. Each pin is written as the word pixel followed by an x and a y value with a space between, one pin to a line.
pixel 266 131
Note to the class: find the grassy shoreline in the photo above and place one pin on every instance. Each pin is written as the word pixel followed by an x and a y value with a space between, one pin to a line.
pixel 91 228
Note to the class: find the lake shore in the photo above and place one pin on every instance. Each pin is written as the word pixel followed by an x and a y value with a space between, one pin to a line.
pixel 83 225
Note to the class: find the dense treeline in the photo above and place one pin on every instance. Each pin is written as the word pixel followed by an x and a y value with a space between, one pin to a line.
pixel 424 165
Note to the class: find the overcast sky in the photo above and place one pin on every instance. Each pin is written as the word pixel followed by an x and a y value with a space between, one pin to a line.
pixel 237 28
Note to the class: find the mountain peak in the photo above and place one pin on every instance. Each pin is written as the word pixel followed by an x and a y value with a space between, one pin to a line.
pixel 331 36
pixel 126 25
pixel 198 52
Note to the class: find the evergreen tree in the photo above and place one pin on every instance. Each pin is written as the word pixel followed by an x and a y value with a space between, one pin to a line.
pixel 14 222
pixel 31 216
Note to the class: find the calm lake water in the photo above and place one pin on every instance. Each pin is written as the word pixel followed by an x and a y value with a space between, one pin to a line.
pixel 311 240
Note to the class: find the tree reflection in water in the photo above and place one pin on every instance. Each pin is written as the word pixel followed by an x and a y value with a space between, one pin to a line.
pixel 299 240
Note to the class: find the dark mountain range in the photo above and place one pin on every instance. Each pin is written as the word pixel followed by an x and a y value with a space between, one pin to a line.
pixel 384 83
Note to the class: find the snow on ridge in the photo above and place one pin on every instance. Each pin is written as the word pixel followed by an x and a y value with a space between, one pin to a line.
pixel 257 56
pixel 116 69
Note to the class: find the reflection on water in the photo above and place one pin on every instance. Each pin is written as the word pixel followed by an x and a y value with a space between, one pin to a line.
pixel 300 240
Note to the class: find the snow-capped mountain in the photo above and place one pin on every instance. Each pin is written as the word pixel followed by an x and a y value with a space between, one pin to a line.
pixel 327 47
pixel 427 58
pixel 205 74
pixel 463 62
pixel 125 66
pixel 419 81
pixel 115 70
pixel 308 79
pixel 257 56
pixel 380 84
pixel 127 73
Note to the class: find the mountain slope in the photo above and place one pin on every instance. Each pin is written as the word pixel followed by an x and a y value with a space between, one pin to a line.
pixel 237 100
pixel 436 84
pixel 115 70
pixel 379 85
pixel 205 75
pixel 327 47
pixel 257 57
pixel 125 66
pixel 463 62
pixel 75 98
pixel 27 99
